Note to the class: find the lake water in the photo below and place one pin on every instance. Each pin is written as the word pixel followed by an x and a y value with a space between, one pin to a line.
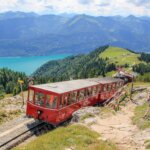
pixel 27 64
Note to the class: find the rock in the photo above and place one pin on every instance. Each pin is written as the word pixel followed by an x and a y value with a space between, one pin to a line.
pixel 17 97
pixel 85 112
pixel 140 98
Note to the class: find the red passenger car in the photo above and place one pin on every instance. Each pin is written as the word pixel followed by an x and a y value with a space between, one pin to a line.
pixel 55 102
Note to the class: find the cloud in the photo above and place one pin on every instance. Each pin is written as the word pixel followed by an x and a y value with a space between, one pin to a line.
pixel 104 4
pixel 140 2
pixel 85 2
pixel 90 7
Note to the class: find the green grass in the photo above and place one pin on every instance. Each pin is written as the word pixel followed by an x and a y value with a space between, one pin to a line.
pixel 120 56
pixel 8 95
pixel 139 84
pixel 111 73
pixel 147 143
pixel 139 117
pixel 75 137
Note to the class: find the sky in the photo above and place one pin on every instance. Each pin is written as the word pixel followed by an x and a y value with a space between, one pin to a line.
pixel 90 7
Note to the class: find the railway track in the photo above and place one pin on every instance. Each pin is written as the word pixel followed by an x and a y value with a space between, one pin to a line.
pixel 22 132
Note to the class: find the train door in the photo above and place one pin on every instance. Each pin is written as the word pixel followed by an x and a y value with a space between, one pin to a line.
pixel 51 105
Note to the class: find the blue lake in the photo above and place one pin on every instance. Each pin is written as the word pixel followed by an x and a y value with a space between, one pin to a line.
pixel 27 64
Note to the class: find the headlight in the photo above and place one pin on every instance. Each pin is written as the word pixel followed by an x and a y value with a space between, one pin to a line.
pixel 39 112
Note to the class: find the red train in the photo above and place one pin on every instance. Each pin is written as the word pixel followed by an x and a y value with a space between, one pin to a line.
pixel 55 102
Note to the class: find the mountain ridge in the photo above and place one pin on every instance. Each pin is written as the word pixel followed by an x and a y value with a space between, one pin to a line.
pixel 32 34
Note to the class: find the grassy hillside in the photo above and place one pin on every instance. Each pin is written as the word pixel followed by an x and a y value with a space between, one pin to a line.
pixel 120 56
pixel 81 66
pixel 100 62
pixel 75 137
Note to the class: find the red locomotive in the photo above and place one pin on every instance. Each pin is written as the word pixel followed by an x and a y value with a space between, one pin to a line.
pixel 55 102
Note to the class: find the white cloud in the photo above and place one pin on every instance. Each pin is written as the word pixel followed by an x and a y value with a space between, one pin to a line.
pixel 91 7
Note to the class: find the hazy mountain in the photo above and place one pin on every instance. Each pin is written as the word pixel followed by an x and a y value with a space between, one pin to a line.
pixel 32 34
pixel 18 14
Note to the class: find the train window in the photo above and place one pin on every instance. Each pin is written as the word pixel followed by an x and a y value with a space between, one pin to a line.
pixel 61 103
pixel 31 95
pixel 51 101
pixel 48 97
pixel 105 88
pixel 94 90
pixel 98 89
pixel 54 103
pixel 39 98
pixel 69 99
pixel 113 86
pixel 109 87
pixel 65 100
pixel 89 91
pixel 81 94
pixel 118 85
pixel 121 84
pixel 74 96
pixel 86 93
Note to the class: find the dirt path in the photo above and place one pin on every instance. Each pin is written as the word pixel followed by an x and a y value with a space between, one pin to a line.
pixel 119 129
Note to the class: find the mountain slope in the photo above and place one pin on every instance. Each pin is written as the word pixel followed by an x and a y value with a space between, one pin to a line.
pixel 97 63
pixel 80 66
pixel 31 34
pixel 120 56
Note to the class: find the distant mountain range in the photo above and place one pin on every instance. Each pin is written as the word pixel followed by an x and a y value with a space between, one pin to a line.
pixel 27 34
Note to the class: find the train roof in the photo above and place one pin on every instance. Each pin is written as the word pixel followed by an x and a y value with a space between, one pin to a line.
pixel 66 86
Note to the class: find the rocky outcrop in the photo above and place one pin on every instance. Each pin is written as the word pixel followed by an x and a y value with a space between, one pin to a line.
pixel 85 113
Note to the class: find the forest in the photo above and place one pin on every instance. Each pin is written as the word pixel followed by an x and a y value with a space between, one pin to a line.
pixel 145 57
pixel 75 67
pixel 9 82
pixel 141 68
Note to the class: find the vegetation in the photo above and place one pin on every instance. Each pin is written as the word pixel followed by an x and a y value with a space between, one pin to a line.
pixel 120 56
pixel 74 67
pixel 144 78
pixel 9 82
pixel 74 137
pixel 141 68
pixel 145 57
pixel 7 115
pixel 147 142
pixel 2 92
pixel 141 116
pixel 101 62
